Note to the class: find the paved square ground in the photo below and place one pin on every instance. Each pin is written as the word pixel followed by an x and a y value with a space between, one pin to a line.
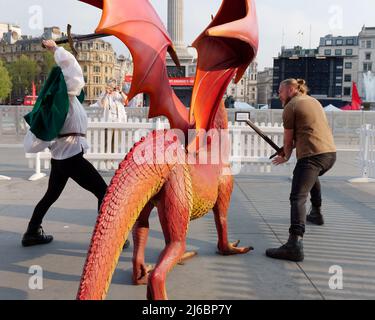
pixel 259 216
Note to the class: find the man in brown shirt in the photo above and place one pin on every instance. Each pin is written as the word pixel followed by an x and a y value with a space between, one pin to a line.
pixel 306 129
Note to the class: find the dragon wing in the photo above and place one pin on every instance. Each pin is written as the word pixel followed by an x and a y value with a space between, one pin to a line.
pixel 226 48
pixel 138 26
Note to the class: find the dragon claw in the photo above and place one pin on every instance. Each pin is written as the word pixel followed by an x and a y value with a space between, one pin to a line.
pixel 187 256
pixel 233 249
pixel 142 279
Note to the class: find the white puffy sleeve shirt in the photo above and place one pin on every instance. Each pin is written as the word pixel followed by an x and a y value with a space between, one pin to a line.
pixel 76 120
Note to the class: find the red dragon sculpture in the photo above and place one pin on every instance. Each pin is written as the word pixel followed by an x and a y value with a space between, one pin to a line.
pixel 180 190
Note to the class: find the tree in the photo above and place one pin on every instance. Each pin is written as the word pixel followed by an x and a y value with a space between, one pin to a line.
pixel 22 72
pixel 48 62
pixel 5 82
pixel 45 67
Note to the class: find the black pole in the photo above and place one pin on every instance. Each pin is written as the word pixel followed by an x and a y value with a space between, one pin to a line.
pixel 265 138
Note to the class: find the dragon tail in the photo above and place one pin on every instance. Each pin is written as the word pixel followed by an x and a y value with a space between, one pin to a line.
pixel 135 183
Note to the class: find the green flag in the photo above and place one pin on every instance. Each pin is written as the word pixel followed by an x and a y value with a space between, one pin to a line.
pixel 51 108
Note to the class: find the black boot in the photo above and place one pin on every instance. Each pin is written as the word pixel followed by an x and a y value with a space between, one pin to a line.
pixel 292 250
pixel 34 236
pixel 315 216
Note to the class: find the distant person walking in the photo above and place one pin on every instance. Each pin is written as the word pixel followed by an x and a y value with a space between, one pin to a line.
pixel 306 129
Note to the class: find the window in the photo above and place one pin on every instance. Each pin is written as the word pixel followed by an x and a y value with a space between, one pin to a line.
pixel 327 52
pixel 348 78
pixel 338 52
pixel 349 52
pixel 368 56
pixel 339 42
pixel 348 65
pixel 350 42
pixel 97 69
pixel 328 42
pixel 347 91
pixel 97 91
pixel 367 66
pixel 368 44
pixel 84 68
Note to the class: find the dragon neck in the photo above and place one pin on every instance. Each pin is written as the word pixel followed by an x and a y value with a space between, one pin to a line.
pixel 221 118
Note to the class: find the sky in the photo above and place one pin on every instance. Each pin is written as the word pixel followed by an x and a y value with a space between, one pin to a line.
pixel 287 22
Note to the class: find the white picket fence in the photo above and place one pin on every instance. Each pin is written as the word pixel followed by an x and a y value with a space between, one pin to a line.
pixel 367 154
pixel 110 142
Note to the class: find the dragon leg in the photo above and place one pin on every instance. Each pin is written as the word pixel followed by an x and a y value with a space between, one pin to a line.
pixel 174 205
pixel 140 234
pixel 220 210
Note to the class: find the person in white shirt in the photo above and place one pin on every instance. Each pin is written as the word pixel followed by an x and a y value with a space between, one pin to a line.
pixel 113 102
pixel 67 150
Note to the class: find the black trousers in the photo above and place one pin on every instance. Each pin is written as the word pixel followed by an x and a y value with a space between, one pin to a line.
pixel 306 180
pixel 81 171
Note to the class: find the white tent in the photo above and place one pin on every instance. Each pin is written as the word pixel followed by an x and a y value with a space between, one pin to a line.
pixel 332 108
pixel 243 105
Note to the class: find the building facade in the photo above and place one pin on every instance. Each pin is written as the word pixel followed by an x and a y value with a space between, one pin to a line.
pixel 11 51
pixel 366 63
pixel 251 80
pixel 323 74
pixel 347 48
pixel 265 86
pixel 10 32
pixel 97 58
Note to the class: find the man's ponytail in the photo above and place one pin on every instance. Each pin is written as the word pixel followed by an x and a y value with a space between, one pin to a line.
pixel 299 84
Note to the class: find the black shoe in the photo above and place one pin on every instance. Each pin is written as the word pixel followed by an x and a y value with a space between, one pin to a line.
pixel 35 236
pixel 315 216
pixel 292 250
pixel 126 245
